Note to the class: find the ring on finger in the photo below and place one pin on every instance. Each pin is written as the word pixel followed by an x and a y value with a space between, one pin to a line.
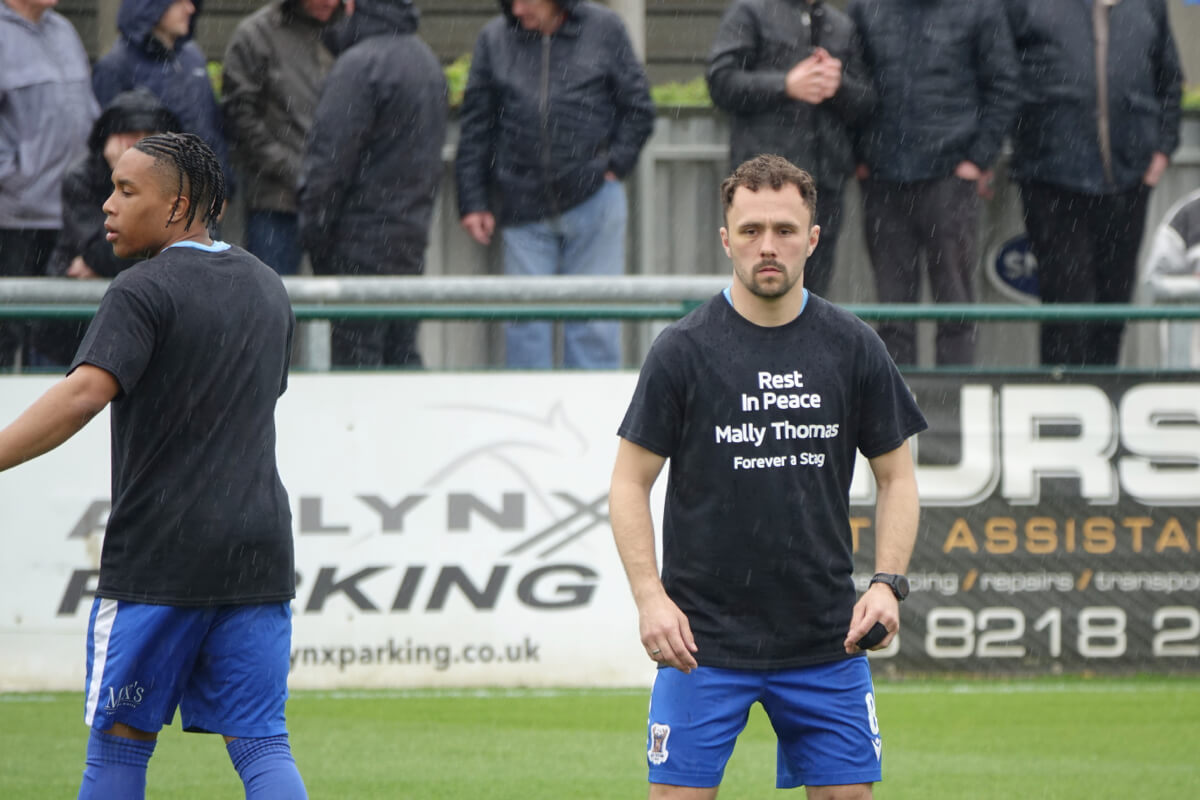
pixel 655 652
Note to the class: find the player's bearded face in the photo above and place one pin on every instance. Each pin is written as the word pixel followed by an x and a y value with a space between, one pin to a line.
pixel 769 238
pixel 139 209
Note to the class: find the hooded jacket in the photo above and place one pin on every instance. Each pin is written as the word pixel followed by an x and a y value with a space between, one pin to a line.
pixel 85 187
pixel 1056 139
pixel 945 72
pixel 373 157
pixel 758 42
pixel 178 77
pixel 46 109
pixel 544 117
pixel 88 183
pixel 274 66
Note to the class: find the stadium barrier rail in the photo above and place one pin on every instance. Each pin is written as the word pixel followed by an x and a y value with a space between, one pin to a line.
pixel 565 298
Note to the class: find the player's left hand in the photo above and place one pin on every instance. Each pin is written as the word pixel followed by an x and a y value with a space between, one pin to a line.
pixel 877 604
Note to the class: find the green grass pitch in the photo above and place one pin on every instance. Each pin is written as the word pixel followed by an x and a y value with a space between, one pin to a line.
pixel 1046 738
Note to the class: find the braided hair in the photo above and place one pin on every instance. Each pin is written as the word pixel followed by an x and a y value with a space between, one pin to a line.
pixel 194 160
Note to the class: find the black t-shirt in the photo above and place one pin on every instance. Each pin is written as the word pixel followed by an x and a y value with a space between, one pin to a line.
pixel 761 426
pixel 199 342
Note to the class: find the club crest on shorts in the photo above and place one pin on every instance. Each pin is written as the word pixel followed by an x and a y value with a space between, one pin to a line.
pixel 658 743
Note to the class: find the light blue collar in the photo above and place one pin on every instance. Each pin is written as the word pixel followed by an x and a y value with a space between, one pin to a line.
pixel 215 247
pixel 803 303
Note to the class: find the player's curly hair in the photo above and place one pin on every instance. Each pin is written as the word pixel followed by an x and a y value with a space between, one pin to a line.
pixel 773 171
pixel 196 168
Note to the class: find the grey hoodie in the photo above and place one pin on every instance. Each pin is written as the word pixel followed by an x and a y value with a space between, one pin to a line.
pixel 46 112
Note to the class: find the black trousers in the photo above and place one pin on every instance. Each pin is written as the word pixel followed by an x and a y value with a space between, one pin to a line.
pixel 1086 248
pixel 23 254
pixel 818 270
pixel 936 222
pixel 373 343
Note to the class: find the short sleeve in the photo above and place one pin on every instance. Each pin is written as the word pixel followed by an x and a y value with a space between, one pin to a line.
pixel 654 419
pixel 888 413
pixel 121 337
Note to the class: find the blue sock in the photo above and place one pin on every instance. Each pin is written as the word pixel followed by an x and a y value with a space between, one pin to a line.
pixel 267 768
pixel 116 768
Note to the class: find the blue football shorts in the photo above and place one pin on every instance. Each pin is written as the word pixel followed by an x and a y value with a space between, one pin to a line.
pixel 823 716
pixel 225 667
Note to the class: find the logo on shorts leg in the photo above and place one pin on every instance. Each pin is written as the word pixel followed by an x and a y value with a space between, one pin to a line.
pixel 658 743
pixel 126 696
pixel 877 743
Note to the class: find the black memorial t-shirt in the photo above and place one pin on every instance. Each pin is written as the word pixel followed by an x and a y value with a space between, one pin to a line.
pixel 199 342
pixel 760 426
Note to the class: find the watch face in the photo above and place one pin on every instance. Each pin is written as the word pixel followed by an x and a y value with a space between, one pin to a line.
pixel 901 586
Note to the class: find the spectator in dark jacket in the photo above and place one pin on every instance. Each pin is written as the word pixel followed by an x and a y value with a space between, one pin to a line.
pixel 372 165
pixel 155 50
pixel 945 72
pixel 274 66
pixel 1087 149
pixel 82 250
pixel 791 75
pixel 556 110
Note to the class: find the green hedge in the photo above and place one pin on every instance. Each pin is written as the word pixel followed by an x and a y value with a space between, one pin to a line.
pixel 692 94
pixel 1191 98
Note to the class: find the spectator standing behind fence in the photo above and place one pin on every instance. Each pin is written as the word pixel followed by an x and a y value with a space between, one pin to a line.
pixel 556 110
pixel 155 50
pixel 274 66
pixel 82 251
pixel 1175 251
pixel 1088 146
pixel 946 76
pixel 46 111
pixel 372 165
pixel 791 75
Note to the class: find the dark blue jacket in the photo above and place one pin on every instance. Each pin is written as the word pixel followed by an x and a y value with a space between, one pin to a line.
pixel 373 157
pixel 946 76
pixel 543 118
pixel 1056 139
pixel 178 77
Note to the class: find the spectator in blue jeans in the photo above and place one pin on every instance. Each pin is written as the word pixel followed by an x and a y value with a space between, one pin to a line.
pixel 556 110
pixel 274 66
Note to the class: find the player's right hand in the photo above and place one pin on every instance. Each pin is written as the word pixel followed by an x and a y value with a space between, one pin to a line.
pixel 666 634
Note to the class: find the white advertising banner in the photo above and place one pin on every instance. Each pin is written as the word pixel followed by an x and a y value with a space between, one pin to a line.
pixel 451 530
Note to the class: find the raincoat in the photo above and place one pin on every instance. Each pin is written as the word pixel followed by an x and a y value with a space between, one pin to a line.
pixel 178 77
pixel 46 109
pixel 373 158
pixel 273 70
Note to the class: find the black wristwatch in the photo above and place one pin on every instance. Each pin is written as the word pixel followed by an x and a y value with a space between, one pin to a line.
pixel 897 583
